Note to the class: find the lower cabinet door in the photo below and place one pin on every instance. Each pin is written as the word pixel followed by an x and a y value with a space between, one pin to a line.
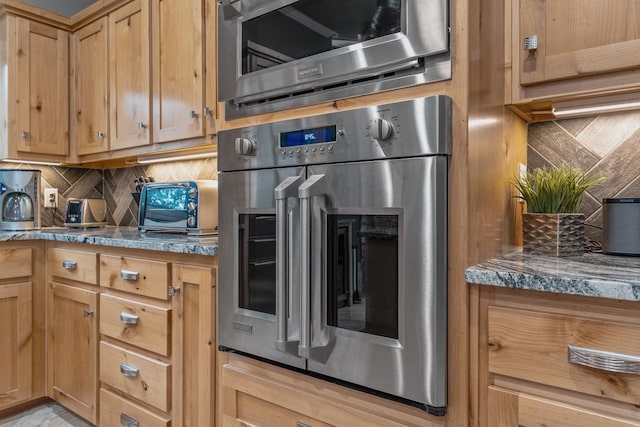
pixel 115 410
pixel 72 342
pixel 15 343
pixel 511 409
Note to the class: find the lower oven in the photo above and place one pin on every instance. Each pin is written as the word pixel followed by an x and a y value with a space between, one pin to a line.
pixel 333 237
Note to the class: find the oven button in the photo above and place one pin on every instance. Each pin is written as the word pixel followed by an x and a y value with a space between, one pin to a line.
pixel 291 151
pixel 245 146
pixel 191 221
pixel 314 149
pixel 191 206
pixel 283 152
pixel 381 129
pixel 297 150
pixel 330 148
pixel 306 150
pixel 192 192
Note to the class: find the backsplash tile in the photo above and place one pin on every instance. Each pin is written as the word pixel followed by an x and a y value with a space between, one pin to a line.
pixel 114 185
pixel 606 144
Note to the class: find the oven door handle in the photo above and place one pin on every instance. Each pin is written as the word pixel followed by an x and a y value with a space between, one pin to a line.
pixel 286 189
pixel 314 186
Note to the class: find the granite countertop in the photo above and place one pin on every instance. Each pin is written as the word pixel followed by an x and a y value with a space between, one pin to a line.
pixel 122 237
pixel 592 274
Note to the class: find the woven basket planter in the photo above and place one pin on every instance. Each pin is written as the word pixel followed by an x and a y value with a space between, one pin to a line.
pixel 553 234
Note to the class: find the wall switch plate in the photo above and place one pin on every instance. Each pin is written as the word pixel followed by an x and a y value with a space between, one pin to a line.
pixel 50 197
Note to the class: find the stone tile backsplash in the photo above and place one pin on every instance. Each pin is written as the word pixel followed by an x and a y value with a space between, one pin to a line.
pixel 607 144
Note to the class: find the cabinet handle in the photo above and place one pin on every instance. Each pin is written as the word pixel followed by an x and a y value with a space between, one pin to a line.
pixel 173 291
pixel 141 125
pixel 24 134
pixel 87 313
pixel 531 43
pixel 127 421
pixel 129 319
pixel 100 134
pixel 605 360
pixel 193 114
pixel 70 265
pixel 134 276
pixel 129 371
pixel 207 111
pixel 299 424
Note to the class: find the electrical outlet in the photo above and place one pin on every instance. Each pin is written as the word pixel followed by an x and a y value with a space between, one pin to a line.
pixel 50 197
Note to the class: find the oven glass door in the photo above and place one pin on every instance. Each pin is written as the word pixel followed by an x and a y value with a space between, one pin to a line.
pixel 308 27
pixel 248 309
pixel 377 275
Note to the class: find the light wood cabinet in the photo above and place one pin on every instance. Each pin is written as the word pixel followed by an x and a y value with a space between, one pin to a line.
pixel 554 360
pixel 584 47
pixel 181 107
pixel 90 103
pixel 157 328
pixel 34 66
pixel 129 76
pixel 16 339
pixel 72 339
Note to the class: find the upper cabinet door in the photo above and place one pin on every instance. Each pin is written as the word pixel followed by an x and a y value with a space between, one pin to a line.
pixel 91 109
pixel 42 88
pixel 578 38
pixel 129 71
pixel 178 69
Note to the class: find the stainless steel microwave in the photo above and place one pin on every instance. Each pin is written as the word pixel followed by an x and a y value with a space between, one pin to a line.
pixel 181 206
pixel 282 54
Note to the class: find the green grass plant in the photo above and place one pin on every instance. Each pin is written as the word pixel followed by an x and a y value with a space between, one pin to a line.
pixel 555 190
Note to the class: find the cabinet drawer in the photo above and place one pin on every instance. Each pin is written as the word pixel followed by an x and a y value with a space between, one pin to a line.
pixel 136 375
pixel 76 265
pixel 534 346
pixel 143 325
pixel 15 263
pixel 117 411
pixel 509 409
pixel 135 275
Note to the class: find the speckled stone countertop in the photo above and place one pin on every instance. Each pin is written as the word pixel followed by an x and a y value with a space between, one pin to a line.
pixel 122 237
pixel 592 274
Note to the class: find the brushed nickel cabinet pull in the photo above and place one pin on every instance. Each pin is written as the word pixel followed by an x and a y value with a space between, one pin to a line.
pixel 141 125
pixel 129 371
pixel 173 291
pixel 24 134
pixel 129 319
pixel 70 265
pixel 130 275
pixel 299 424
pixel 604 360
pixel 87 313
pixel 193 114
pixel 207 111
pixel 127 421
pixel 531 43
pixel 100 134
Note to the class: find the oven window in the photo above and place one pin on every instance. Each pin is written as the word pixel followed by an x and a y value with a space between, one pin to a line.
pixel 166 204
pixel 257 262
pixel 362 273
pixel 309 27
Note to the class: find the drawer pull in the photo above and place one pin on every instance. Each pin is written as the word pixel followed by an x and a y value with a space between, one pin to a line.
pixel 127 421
pixel 87 313
pixel 129 319
pixel 70 265
pixel 129 371
pixel 299 424
pixel 134 276
pixel 605 360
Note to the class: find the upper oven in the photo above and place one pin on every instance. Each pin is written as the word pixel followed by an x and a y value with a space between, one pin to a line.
pixel 281 54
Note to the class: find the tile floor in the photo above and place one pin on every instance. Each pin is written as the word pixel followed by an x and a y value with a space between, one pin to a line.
pixel 48 414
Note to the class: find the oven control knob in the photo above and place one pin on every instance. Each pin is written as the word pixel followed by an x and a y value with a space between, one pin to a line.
pixel 191 221
pixel 245 146
pixel 191 206
pixel 193 192
pixel 381 129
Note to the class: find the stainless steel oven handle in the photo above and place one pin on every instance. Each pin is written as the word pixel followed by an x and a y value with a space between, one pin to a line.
pixel 287 188
pixel 314 186
pixel 167 185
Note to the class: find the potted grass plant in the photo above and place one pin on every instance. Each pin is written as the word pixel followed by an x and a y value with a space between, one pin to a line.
pixel 553 224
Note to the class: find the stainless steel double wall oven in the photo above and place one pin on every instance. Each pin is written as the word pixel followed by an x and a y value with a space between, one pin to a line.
pixel 285 53
pixel 333 236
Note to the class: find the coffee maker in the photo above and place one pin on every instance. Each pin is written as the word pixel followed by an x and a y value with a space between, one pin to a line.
pixel 19 199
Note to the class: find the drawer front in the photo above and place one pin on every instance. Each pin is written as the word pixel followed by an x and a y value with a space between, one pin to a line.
pixel 135 275
pixel 15 263
pixel 508 409
pixel 75 265
pixel 117 411
pixel 534 346
pixel 143 325
pixel 136 375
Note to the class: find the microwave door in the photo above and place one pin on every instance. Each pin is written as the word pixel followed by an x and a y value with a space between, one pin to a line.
pixel 376 244
pixel 247 313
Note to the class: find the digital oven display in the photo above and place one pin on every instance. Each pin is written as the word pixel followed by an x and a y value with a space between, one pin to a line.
pixel 308 137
